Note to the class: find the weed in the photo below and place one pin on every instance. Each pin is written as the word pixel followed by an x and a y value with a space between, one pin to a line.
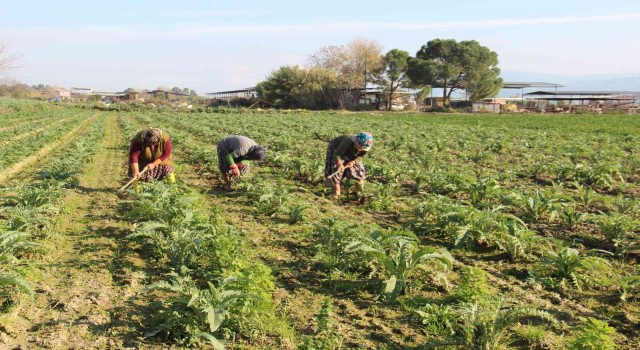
pixel 592 334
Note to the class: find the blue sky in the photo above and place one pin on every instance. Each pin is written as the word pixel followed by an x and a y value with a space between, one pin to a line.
pixel 210 46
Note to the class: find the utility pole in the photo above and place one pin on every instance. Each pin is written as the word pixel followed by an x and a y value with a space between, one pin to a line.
pixel 364 91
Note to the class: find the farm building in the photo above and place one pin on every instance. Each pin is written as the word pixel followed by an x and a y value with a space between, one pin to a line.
pixel 598 101
pixel 81 91
pixel 249 92
pixel 167 95
pixel 63 93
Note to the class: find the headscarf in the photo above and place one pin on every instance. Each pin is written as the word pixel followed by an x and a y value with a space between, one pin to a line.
pixel 152 135
pixel 365 141
pixel 257 153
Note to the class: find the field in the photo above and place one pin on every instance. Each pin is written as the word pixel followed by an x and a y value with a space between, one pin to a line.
pixel 475 232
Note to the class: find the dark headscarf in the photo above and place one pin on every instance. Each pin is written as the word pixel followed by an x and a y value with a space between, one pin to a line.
pixel 152 135
pixel 257 153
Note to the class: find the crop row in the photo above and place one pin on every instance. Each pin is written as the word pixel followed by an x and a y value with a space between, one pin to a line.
pixel 29 210
pixel 210 287
pixel 14 151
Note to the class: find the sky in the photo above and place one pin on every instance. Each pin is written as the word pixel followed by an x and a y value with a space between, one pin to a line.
pixel 213 46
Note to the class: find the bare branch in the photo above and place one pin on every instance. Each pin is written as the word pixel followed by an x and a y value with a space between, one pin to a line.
pixel 8 59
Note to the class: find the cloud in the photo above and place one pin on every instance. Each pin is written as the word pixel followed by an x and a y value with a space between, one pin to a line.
pixel 200 30
pixel 219 13
pixel 632 17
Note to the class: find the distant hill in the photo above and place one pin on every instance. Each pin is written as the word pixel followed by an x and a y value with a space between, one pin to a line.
pixel 617 82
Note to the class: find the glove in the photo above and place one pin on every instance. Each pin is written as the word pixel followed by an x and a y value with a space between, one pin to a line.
pixel 233 170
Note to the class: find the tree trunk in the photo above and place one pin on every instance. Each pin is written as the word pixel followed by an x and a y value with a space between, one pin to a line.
pixel 391 91
pixel 444 94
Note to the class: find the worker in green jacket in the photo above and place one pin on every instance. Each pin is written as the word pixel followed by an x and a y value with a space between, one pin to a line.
pixel 234 155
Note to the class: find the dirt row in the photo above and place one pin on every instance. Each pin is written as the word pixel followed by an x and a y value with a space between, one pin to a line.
pixel 88 279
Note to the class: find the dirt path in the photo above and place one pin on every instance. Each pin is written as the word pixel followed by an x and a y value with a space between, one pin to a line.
pixel 89 276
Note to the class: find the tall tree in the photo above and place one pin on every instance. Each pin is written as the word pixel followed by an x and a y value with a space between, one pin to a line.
pixel 394 73
pixel 356 63
pixel 450 65
pixel 295 87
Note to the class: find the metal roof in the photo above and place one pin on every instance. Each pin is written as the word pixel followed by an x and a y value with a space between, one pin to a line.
pixel 526 84
pixel 584 93
pixel 232 91
pixel 167 92
pixel 590 98
pixel 114 94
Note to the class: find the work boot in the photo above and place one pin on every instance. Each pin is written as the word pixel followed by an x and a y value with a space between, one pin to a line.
pixel 171 178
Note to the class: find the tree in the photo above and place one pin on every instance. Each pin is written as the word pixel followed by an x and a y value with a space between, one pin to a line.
pixel 193 92
pixel 450 65
pixel 354 64
pixel 295 87
pixel 422 95
pixel 7 59
pixel 394 73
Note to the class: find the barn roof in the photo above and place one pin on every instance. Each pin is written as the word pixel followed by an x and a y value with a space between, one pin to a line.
pixel 584 93
pixel 528 84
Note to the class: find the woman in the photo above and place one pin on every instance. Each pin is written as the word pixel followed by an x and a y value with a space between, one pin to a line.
pixel 344 158
pixel 234 154
pixel 151 150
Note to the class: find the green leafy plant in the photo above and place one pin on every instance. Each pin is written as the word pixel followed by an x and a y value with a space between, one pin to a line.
pixel 473 286
pixel 11 244
pixel 438 320
pixel 482 191
pixel 297 212
pixel 516 239
pixel 571 217
pixel 620 230
pixel 332 236
pixel 566 268
pixel 592 334
pixel 629 287
pixel 539 204
pixel 485 325
pixel 189 314
pixel 397 255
